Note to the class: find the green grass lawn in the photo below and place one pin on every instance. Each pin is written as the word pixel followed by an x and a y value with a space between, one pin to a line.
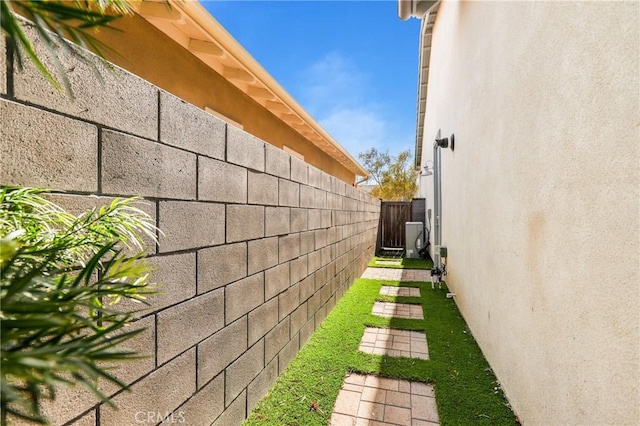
pixel 466 389
pixel 404 263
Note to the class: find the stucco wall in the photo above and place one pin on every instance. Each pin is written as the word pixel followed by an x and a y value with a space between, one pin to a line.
pixel 144 50
pixel 541 198
pixel 258 246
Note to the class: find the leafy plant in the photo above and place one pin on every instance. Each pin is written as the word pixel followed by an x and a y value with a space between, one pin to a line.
pixel 60 276
pixel 74 19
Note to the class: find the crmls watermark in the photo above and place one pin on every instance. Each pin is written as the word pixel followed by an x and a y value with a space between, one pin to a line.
pixel 155 417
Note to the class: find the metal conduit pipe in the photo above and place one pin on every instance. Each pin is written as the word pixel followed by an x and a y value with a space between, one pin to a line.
pixel 437 201
pixel 438 271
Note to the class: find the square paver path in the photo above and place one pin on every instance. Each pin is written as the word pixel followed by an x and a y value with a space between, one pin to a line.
pixel 388 290
pixel 398 310
pixel 387 341
pixel 388 262
pixel 370 400
pixel 389 274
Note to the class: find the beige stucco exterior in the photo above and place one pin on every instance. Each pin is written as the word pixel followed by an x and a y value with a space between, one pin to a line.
pixel 541 198
pixel 152 48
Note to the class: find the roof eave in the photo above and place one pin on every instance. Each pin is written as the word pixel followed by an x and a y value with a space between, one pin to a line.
pixel 192 26
pixel 426 32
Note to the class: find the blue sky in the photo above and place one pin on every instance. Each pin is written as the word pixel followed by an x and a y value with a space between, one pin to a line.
pixel 352 65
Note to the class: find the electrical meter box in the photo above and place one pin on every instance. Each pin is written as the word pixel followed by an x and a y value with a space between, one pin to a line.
pixel 414 239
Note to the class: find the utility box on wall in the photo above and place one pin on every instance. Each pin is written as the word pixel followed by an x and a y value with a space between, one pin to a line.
pixel 414 239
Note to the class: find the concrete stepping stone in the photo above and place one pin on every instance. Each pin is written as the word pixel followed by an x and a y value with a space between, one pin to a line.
pixel 398 310
pixel 397 274
pixel 388 262
pixel 391 342
pixel 388 290
pixel 371 400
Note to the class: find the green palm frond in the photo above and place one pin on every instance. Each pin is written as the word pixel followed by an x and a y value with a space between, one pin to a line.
pixel 59 278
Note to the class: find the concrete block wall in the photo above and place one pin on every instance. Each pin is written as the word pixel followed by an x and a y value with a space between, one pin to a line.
pixel 257 246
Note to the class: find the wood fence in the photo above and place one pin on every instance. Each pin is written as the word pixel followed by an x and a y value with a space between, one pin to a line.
pixel 393 217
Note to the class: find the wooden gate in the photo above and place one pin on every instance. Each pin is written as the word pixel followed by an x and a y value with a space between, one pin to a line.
pixel 393 216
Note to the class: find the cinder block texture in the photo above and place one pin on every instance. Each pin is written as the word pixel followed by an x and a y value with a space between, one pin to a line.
pixel 326 182
pixel 67 160
pixel 244 149
pixel 315 219
pixel 307 242
pixel 244 223
pixel 314 261
pixel 148 394
pixel 289 247
pixel 288 193
pixel 288 301
pixel 189 127
pixel 144 344
pixel 261 384
pixel 220 181
pixel 277 220
pixel 276 280
pixel 307 287
pixel 298 269
pixel 134 166
pixel 326 218
pixel 288 353
pixel 218 266
pixel 189 225
pixel 242 283
pixel 321 238
pixel 277 162
pixel 202 408
pixel 299 220
pixel 103 94
pixel 186 324
pixel 263 254
pixel 263 189
pixel 306 196
pixel 319 199
pixel 235 413
pixel 262 319
pixel 276 339
pixel 88 419
pixel 315 177
pixel 243 371
pixel 306 331
pixel 299 171
pixel 298 318
pixel 3 66
pixel 221 349
pixel 243 296
pixel 175 278
pixel 69 403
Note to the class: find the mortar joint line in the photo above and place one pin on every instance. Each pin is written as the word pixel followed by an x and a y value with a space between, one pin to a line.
pixel 159 114
pixel 157 205
pixel 155 351
pixel 197 177
pixel 226 143
pixel 99 160
pixel 10 58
